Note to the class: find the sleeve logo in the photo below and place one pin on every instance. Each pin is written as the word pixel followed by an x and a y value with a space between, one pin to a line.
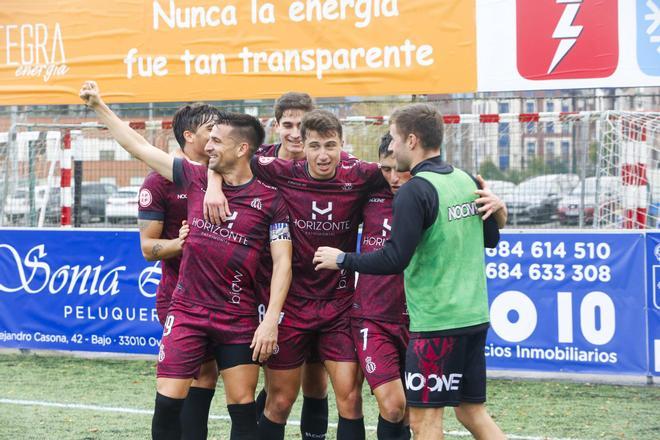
pixel 145 198
pixel 265 160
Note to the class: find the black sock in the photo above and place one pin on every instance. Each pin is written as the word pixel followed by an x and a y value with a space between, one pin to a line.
pixel 261 403
pixel 407 433
pixel 195 414
pixel 269 430
pixel 166 424
pixel 243 421
pixel 314 418
pixel 350 429
pixel 387 430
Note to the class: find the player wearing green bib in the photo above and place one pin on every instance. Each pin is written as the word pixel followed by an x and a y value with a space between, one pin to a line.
pixel 440 294
pixel 442 220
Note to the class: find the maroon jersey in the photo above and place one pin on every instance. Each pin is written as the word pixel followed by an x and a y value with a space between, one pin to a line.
pixel 379 297
pixel 265 268
pixel 220 261
pixel 163 201
pixel 323 213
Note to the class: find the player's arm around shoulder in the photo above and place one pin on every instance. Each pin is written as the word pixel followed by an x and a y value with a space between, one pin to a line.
pixel 216 206
pixel 490 203
pixel 129 139
pixel 269 169
pixel 372 174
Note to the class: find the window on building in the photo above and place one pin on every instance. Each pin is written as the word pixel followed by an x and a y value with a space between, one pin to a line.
pixel 531 149
pixel 565 150
pixel 107 155
pixel 549 126
pixel 504 163
pixel 549 148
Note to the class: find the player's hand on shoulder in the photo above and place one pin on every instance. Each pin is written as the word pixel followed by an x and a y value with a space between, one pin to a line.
pixel 90 94
pixel 216 207
pixel 488 201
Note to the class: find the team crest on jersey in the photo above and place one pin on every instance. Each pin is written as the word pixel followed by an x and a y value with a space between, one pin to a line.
pixel 145 197
pixel 266 160
pixel 256 203
pixel 369 365
pixel 348 186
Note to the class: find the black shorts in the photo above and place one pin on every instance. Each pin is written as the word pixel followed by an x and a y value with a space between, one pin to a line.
pixel 232 355
pixel 445 370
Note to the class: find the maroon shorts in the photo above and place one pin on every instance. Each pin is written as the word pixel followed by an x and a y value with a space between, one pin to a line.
pixel 381 349
pixel 312 357
pixel 314 329
pixel 162 308
pixel 191 332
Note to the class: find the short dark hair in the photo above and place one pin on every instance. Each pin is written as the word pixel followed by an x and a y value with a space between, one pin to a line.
pixel 322 122
pixel 422 120
pixel 293 101
pixel 384 147
pixel 190 118
pixel 246 127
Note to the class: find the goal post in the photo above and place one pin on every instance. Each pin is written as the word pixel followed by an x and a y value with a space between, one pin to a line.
pixel 629 152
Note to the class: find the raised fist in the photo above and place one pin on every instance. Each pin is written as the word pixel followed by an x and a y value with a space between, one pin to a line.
pixel 90 95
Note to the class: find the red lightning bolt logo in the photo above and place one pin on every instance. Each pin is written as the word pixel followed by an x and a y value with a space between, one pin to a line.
pixel 567 39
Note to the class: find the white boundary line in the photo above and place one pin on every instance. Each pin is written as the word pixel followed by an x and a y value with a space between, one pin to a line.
pixel 115 409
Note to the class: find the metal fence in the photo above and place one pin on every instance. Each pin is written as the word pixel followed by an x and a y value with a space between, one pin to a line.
pixel 552 168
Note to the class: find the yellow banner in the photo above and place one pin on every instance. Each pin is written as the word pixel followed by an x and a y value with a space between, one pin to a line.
pixel 176 50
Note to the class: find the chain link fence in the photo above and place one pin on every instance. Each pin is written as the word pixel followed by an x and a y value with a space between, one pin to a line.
pixel 550 163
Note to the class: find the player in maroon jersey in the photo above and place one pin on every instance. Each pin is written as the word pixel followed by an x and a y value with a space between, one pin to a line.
pixel 324 195
pixel 289 110
pixel 214 303
pixel 379 319
pixel 161 210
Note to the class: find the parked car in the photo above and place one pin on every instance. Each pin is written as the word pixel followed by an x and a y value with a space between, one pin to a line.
pixel 92 202
pixel 17 206
pixel 535 200
pixel 123 205
pixel 569 206
pixel 502 188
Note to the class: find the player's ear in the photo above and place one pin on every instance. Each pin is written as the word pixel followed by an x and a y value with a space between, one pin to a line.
pixel 413 141
pixel 189 136
pixel 243 149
